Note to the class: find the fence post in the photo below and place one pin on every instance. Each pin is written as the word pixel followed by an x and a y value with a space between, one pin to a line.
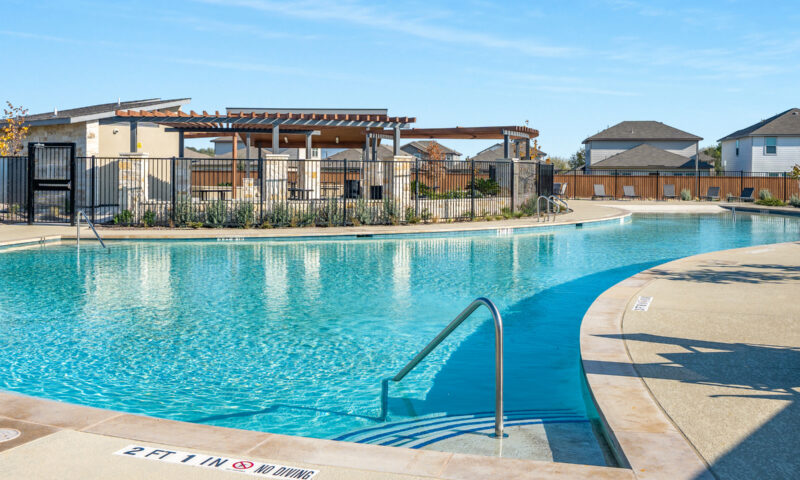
pixel 575 183
pixel 31 166
pixel 345 194
pixel 472 188
pixel 73 184
pixel 785 185
pixel 416 187
pixel 261 183
pixel 741 180
pixel 616 174
pixel 658 184
pixel 514 181
pixel 93 189
pixel 174 184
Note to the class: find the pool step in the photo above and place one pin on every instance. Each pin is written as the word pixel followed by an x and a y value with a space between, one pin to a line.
pixel 425 431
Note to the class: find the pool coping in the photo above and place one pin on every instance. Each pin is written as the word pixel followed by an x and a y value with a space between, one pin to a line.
pixel 640 432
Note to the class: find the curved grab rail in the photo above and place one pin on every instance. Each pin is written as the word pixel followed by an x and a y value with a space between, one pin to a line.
pixel 498 354
pixel 78 224
pixel 556 201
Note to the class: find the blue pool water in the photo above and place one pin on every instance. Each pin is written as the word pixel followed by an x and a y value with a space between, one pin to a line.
pixel 295 337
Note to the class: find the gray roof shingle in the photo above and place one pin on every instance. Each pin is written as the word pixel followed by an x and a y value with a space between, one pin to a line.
pixel 103 110
pixel 642 130
pixel 354 154
pixel 784 123
pixel 647 156
pixel 422 145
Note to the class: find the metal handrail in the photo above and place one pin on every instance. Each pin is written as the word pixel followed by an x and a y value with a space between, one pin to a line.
pixel 547 207
pixel 498 354
pixel 556 200
pixel 78 224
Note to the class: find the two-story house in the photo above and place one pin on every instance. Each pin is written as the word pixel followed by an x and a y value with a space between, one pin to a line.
pixel 420 149
pixel 771 145
pixel 643 145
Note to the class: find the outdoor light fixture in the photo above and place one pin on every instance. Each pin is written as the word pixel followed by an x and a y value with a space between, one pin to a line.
pixel 337 140
pixel 285 139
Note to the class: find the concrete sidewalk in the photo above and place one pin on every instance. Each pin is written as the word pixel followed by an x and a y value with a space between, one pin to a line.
pixel 719 348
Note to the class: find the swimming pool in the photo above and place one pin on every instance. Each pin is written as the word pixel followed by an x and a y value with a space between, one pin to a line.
pixel 295 337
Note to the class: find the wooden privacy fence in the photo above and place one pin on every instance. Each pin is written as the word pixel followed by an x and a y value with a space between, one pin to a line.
pixel 651 185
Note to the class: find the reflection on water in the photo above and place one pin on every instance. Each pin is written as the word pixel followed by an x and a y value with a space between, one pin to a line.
pixel 295 337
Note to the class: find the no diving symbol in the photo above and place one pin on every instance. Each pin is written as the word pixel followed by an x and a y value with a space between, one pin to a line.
pixel 243 465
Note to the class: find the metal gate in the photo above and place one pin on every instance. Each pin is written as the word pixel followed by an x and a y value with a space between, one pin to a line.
pixel 51 186
pixel 544 180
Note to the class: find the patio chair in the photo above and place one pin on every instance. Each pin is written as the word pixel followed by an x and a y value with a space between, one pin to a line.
pixel 712 194
pixel 556 188
pixel 747 195
pixel 629 192
pixel 600 191
pixel 561 190
pixel 669 191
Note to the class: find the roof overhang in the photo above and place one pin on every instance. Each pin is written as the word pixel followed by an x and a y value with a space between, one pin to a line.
pixel 471 133
pixel 104 115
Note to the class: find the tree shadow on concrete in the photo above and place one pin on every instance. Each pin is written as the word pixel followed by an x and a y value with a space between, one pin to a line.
pixel 728 274
pixel 768 372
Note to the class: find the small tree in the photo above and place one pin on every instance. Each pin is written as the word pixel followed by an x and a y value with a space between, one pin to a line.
pixel 560 163
pixel 13 131
pixel 794 174
pixel 715 152
pixel 578 159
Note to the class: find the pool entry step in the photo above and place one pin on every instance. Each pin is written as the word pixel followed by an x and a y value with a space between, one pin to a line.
pixel 422 432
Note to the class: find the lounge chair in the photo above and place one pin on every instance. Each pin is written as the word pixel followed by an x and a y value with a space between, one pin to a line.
pixel 561 190
pixel 556 188
pixel 712 194
pixel 629 192
pixel 669 191
pixel 600 191
pixel 747 195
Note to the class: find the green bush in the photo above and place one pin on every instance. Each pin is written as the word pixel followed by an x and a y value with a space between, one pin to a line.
pixel 771 202
pixel 486 186
pixel 528 207
pixel 329 214
pixel 185 213
pixel 362 214
pixel 149 218
pixel 244 214
pixel 279 215
pixel 124 217
pixel 794 201
pixel 764 194
pixel 425 215
pixel 216 214
pixel 686 194
pixel 389 213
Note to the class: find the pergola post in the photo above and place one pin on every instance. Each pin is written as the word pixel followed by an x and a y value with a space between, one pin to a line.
pixel 235 140
pixel 181 146
pixel 308 172
pixel 276 139
pixel 134 136
pixel 505 146
pixel 396 141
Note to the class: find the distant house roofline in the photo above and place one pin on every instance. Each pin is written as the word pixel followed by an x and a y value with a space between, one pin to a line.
pixel 786 123
pixel 642 130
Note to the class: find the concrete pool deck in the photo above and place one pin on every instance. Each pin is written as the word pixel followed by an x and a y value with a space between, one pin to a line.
pixel 706 379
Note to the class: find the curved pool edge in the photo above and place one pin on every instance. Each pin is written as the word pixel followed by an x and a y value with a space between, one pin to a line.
pixel 642 434
pixel 45 417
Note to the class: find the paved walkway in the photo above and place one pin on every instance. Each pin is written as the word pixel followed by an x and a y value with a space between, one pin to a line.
pixel 719 348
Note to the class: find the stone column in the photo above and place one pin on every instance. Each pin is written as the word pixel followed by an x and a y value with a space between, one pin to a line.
pixel 275 178
pixel 373 177
pixel 309 173
pixel 397 180
pixel 132 181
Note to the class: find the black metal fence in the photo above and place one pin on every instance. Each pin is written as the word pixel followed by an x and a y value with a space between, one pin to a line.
pixel 274 192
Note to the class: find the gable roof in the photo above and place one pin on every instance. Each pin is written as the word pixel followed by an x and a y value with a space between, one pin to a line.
pixel 495 152
pixel 647 130
pixel 384 153
pixel 422 146
pixel 784 123
pixel 103 110
pixel 649 157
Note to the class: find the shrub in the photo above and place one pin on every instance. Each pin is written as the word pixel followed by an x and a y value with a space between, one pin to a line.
pixel 425 215
pixel 389 213
pixel 279 215
pixel 362 214
pixel 124 217
pixel 528 207
pixel 686 194
pixel 244 214
pixel 185 213
pixel 794 201
pixel 216 214
pixel 771 202
pixel 410 217
pixel 764 194
pixel 149 218
pixel 485 186
pixel 329 214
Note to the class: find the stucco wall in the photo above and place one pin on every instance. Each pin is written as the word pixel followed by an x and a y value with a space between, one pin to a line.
pixel 155 141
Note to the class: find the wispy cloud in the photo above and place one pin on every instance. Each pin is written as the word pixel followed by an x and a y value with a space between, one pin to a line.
pixel 365 15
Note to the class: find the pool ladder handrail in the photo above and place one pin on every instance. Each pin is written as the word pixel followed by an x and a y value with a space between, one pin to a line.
pixel 498 354
pixel 78 225
pixel 548 203
pixel 558 201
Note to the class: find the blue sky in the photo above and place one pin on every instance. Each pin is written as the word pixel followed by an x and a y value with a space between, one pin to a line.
pixel 569 68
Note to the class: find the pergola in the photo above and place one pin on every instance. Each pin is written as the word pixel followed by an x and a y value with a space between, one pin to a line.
pixel 321 128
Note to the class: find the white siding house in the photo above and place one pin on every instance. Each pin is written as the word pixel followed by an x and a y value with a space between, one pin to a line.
pixel 772 145
pixel 617 146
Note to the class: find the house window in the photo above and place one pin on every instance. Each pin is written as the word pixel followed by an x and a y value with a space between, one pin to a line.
pixel 771 145
pixel 737 148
